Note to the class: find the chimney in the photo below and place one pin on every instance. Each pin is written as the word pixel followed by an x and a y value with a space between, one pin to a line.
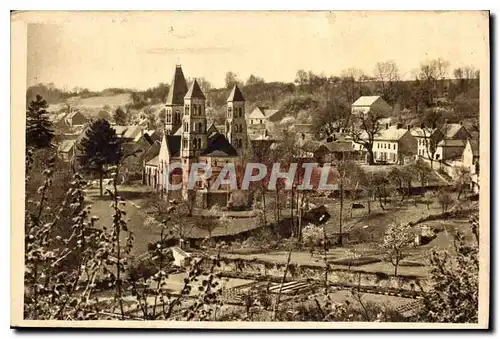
pixel 334 137
pixel 399 125
pixel 461 123
pixel 408 127
pixel 386 126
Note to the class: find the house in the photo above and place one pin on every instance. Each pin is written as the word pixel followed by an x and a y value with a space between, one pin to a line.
pixel 470 156
pixel 455 132
pixel 103 114
pixel 75 118
pixel 426 137
pixel 66 150
pixel 264 115
pixel 449 149
pixel 329 152
pixel 452 144
pixel 394 145
pixel 470 160
pixel 365 104
pixel 128 133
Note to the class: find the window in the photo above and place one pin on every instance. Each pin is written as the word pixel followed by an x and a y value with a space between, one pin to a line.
pixel 186 110
pixel 394 146
pixel 437 156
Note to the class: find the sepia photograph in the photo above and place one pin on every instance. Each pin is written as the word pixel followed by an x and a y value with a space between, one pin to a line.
pixel 250 169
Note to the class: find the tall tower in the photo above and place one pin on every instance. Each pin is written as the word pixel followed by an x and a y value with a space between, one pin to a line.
pixel 194 131
pixel 194 122
pixel 175 101
pixel 236 127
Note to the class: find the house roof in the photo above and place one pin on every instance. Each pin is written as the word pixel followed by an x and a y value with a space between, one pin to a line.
pixel 391 134
pixel 179 131
pixel 57 117
pixel 262 113
pixel 174 145
pixel 257 113
pixel 65 146
pixel 451 143
pixel 338 146
pixel 450 130
pixel 128 132
pixel 152 151
pixel 195 91
pixel 419 132
pixel 475 147
pixel 235 94
pixel 366 100
pixel 178 88
pixel 218 142
pixel 154 162
pixel 270 112
pixel 72 114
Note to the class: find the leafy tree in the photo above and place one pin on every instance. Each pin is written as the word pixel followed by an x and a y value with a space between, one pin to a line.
pixel 252 80
pixel 120 116
pixel 231 79
pixel 39 133
pixel 330 116
pixel 454 278
pixel 398 237
pixel 99 148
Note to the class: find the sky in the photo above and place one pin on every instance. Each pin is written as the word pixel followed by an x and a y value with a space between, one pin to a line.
pixel 139 50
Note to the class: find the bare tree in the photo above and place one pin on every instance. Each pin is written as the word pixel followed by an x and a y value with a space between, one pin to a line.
pixel 386 73
pixel 365 128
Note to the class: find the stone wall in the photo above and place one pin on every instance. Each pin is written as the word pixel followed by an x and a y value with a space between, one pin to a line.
pixel 262 270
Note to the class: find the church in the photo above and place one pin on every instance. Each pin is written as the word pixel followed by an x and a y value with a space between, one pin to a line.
pixel 188 140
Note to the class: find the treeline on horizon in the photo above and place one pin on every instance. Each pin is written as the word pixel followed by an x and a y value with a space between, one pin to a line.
pixel 311 96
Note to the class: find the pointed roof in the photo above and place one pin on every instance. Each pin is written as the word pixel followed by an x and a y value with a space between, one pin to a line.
pixel 195 91
pixel 235 95
pixel 178 88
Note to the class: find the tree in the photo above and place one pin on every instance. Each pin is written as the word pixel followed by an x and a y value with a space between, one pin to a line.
pixel 231 79
pixel 454 280
pixel 330 116
pixel 422 171
pixel 350 83
pixel 445 199
pixel 301 78
pixel 398 237
pixel 433 130
pixel 39 133
pixel 348 174
pixel 408 173
pixel 380 184
pixel 365 128
pixel 120 116
pixel 99 148
pixel 252 80
pixel 462 180
pixel 386 73
pixel 396 176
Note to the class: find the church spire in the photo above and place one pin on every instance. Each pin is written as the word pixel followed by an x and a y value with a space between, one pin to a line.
pixel 178 88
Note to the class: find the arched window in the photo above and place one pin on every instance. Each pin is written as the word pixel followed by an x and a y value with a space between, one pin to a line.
pixel 186 110
pixel 229 109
